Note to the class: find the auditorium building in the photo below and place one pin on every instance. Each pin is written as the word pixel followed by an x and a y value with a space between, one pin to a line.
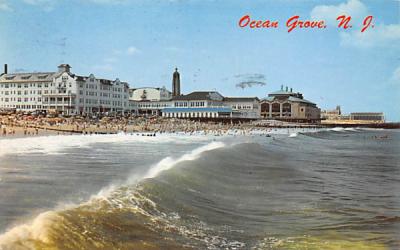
pixel 287 105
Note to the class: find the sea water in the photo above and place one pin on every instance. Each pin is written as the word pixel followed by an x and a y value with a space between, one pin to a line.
pixel 326 189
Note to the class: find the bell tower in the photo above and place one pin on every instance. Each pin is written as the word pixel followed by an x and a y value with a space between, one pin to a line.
pixel 176 83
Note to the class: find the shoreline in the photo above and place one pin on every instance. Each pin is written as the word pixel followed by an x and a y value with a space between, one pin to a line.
pixel 25 126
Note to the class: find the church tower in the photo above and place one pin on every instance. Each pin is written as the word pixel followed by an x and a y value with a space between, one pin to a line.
pixel 176 83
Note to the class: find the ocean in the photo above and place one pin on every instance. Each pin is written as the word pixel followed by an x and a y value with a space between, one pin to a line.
pixel 327 189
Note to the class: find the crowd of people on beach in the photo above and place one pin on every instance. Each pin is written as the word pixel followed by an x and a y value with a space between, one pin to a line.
pixel 25 125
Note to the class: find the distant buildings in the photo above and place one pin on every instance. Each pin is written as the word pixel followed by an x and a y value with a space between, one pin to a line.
pixel 65 93
pixel 368 116
pixel 336 116
pixel 62 92
pixel 287 105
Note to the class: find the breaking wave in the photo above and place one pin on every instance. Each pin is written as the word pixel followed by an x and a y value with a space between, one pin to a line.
pixel 263 193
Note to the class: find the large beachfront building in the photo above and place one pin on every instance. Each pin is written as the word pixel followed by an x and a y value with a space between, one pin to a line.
pixel 211 104
pixel 149 100
pixel 287 105
pixel 198 104
pixel 62 92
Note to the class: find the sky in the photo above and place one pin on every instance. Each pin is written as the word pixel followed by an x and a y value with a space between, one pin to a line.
pixel 142 41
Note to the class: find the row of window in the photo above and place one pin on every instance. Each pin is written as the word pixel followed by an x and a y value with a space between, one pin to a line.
pixel 153 105
pixel 22 106
pixel 191 104
pixel 26 85
pixel 242 107
pixel 34 92
pixel 19 99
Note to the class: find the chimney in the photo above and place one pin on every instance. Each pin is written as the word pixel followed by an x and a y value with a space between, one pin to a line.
pixel 5 68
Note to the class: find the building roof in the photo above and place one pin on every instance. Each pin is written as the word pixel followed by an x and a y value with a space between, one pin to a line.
pixel 48 77
pixel 241 99
pixel 156 88
pixel 199 95
pixel 207 109
pixel 268 98
pixel 291 99
pixel 367 113
pixel 281 92
pixel 103 81
pixel 295 99
pixel 28 77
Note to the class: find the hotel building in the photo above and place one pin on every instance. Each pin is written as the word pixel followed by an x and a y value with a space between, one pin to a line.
pixel 62 92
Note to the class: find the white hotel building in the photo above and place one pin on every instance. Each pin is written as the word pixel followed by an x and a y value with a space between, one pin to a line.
pixel 62 92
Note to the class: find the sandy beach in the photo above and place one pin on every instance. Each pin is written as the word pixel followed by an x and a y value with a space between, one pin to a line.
pixel 24 125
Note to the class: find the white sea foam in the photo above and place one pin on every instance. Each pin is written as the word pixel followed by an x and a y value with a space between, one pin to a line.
pixel 22 237
pixel 337 129
pixel 169 162
pixel 56 144
pixel 293 134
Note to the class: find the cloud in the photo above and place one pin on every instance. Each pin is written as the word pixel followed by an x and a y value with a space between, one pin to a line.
pixel 110 60
pixel 46 5
pixel 250 80
pixel 132 50
pixel 4 6
pixel 19 70
pixel 396 75
pixel 120 2
pixel 380 35
pixel 109 63
pixel 115 2
pixel 103 67
pixel 354 8
pixel 174 49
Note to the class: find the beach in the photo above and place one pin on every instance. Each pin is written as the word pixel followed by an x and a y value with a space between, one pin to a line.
pixel 13 126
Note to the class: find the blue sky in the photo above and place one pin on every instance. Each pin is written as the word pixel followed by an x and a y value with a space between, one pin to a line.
pixel 142 41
